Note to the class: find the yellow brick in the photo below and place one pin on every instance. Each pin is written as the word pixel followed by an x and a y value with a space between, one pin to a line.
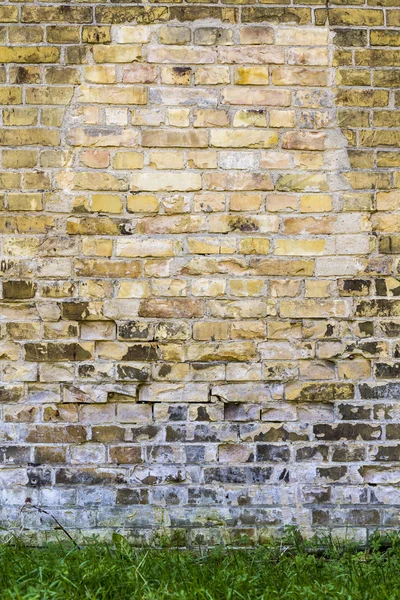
pixel 202 159
pixel 254 246
pixel 246 287
pixel 208 287
pixel 52 117
pixel 116 54
pixel 316 203
pixel 35 180
pixel 319 289
pixel 281 118
pixel 250 118
pixel 19 159
pixel 29 54
pixel 251 76
pixel 285 247
pixel 49 95
pixel 243 202
pixel 176 75
pixel 128 160
pixel 68 34
pixel 243 139
pixel 282 202
pixel 97 247
pixel 133 289
pixel 146 203
pixel 213 330
pixel 166 160
pixel 212 75
pixel 109 203
pixel 100 74
pixel 9 181
pixel 20 116
pixel 310 161
pixel 306 36
pixel 96 34
pixel 25 202
pixel 126 95
pixel 354 369
pixel 179 117
pixel 25 35
pixel 299 76
pixel 355 16
pixel 11 95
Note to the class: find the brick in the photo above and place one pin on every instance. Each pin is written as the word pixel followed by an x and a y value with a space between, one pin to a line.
pixel 299 76
pixel 165 181
pixel 175 35
pixel 353 16
pixel 256 97
pixel 243 139
pixel 29 54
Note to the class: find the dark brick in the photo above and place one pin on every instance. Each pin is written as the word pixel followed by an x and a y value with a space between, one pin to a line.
pixel 51 434
pixel 175 433
pixel 300 16
pixel 387 370
pixel 332 473
pixel 11 393
pixel 383 288
pixel 142 433
pixel 128 14
pixel 387 453
pixel 387 391
pixel 129 373
pixel 389 244
pixel 16 455
pixel 195 454
pixel 134 330
pixel 52 352
pixel 320 517
pixel 350 37
pixel 348 453
pixel 204 496
pixel 75 311
pixel 393 431
pixel 108 433
pixel 315 453
pixel 132 496
pixel 272 453
pixel 354 287
pixel 347 431
pixel 325 392
pixel 377 308
pixel 141 352
pixel 354 412
pixel 38 477
pixel 19 290
pixel 88 476
pixel 129 455
pixel 194 13
pixel 237 474
pixel 177 412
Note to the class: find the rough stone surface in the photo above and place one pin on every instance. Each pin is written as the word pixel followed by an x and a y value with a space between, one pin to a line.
pixel 199 311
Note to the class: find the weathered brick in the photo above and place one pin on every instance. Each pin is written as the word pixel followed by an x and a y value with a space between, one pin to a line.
pixel 199 237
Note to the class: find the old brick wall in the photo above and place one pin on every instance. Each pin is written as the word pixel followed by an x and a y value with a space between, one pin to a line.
pixel 199 245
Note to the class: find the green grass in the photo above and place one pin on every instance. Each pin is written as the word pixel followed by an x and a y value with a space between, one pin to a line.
pixel 287 570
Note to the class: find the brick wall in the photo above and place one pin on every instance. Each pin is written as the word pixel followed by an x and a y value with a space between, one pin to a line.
pixel 199 232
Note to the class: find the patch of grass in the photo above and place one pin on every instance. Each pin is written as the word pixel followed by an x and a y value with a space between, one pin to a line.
pixel 289 570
